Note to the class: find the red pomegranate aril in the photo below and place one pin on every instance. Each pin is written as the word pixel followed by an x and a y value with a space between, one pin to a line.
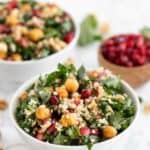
pixel 122 47
pixel 23 42
pixel 54 100
pixel 52 128
pixel 68 37
pixel 140 41
pixel 148 53
pixel 12 5
pixel 141 51
pixel 86 93
pixel 111 49
pixel 36 13
pixel 127 50
pixel 94 131
pixel 109 42
pixel 40 136
pixel 85 131
pixel 130 43
pixel 112 56
pixel 4 29
pixel 77 102
pixel 142 60
pixel 124 60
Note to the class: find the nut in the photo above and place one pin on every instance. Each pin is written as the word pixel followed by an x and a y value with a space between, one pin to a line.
pixel 3 104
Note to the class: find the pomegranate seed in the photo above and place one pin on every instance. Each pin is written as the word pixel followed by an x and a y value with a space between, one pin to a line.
pixel 148 53
pixel 130 43
pixel 142 60
pixel 86 93
pixel 40 136
pixel 23 42
pixel 12 5
pixel 77 102
pixel 94 131
pixel 52 129
pixel 36 13
pixel 68 37
pixel 127 50
pixel 4 29
pixel 141 51
pixel 140 41
pixel 112 56
pixel 54 100
pixel 85 131
pixel 122 47
pixel 124 60
pixel 109 42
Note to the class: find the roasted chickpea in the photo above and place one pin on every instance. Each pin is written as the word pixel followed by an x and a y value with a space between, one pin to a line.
pixel 109 132
pixel 16 57
pixel 42 113
pixel 67 120
pixel 26 8
pixel 11 20
pixel 71 85
pixel 62 92
pixel 3 55
pixel 3 50
pixel 35 34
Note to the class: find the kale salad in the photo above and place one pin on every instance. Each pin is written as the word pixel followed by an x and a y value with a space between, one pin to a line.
pixel 31 30
pixel 73 106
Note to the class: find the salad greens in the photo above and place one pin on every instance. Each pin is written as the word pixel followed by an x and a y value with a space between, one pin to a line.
pixel 73 107
pixel 31 30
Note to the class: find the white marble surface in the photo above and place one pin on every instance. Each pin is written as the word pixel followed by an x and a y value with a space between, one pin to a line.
pixel 124 16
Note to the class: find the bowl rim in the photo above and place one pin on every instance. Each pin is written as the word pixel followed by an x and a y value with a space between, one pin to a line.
pixel 27 84
pixel 70 45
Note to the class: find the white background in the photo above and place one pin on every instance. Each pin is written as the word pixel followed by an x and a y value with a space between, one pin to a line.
pixel 123 16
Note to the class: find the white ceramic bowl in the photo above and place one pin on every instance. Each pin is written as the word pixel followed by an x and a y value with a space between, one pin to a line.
pixel 12 73
pixel 113 143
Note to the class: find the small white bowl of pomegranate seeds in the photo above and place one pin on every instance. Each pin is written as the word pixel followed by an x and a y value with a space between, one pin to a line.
pixel 127 55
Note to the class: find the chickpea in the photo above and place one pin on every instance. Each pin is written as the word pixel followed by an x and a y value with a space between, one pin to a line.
pixel 3 55
pixel 67 120
pixel 26 8
pixel 42 113
pixel 109 132
pixel 62 92
pixel 35 34
pixel 3 50
pixel 11 20
pixel 71 85
pixel 16 57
